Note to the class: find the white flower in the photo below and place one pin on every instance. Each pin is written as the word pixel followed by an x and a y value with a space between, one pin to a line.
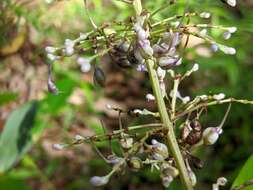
pixel 227 35
pixel 82 36
pixel 203 97
pixel 99 180
pixel 126 142
pixel 214 47
pixel 69 43
pixel 50 49
pixel 58 146
pixel 150 97
pixel 211 135
pixel 219 96
pixel 227 50
pixel 85 67
pixel 170 61
pixel 141 68
pixel 193 177
pixel 69 47
pixel 232 29
pixel 159 150
pixel 160 73
pixel 186 99
pixel 205 15
pixel 69 51
pixel 231 2
pixel 195 67
pixel 52 57
pixel 221 181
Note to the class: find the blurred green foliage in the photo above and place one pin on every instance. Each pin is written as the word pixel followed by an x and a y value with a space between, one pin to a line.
pixel 219 73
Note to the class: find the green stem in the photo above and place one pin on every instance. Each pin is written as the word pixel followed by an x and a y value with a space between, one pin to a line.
pixel 172 141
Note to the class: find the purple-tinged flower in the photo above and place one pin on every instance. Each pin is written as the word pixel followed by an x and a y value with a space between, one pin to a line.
pixel 141 68
pixel 227 35
pixel 52 88
pixel 214 47
pixel 175 39
pixel 211 135
pixel 98 181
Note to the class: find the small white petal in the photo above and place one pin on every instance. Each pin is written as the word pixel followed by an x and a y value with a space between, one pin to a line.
pixel 50 49
pixel 232 29
pixel 186 99
pixel 150 97
pixel 160 73
pixel 99 181
pixel 205 15
pixel 58 146
pixel 195 67
pixel 219 96
pixel 231 2
pixel 86 67
pixel 227 35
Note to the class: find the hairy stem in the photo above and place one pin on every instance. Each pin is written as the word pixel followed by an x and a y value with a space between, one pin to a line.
pixel 172 141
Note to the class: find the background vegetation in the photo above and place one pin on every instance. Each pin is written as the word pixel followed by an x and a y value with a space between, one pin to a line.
pixel 31 120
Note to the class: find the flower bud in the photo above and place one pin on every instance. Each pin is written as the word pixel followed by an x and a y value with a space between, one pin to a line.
pixel 52 87
pixel 196 162
pixel 99 180
pixel 193 178
pixel 150 97
pixel 232 29
pixel 141 68
pixel 169 170
pixel 205 15
pixel 175 39
pixel 159 150
pixel 227 35
pixel 195 67
pixel 228 50
pixel 69 51
pixel 222 181
pixel 219 96
pixel 211 135
pixel 232 3
pixel 126 142
pixel 112 159
pixel 58 146
pixel 135 163
pixel 50 49
pixel 85 68
pixel 214 47
pixel 52 57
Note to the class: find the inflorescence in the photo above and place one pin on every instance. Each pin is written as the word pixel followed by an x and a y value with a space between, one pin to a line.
pixel 131 44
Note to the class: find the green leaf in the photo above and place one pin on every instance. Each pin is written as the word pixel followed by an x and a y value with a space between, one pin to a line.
pixel 15 139
pixel 6 97
pixel 245 174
